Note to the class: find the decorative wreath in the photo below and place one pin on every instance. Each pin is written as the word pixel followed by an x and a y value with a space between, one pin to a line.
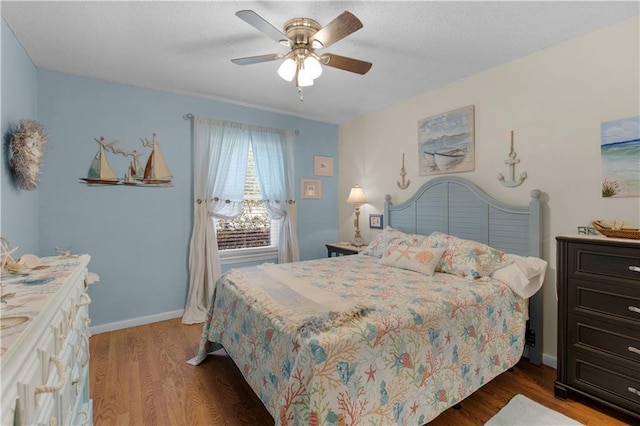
pixel 27 153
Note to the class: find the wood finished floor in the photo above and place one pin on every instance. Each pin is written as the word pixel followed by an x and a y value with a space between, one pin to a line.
pixel 139 376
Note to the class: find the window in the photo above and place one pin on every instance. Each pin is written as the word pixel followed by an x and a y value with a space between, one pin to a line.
pixel 253 228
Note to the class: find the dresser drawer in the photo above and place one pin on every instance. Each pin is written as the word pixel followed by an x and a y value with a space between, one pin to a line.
pixel 80 413
pixel 616 301
pixel 590 261
pixel 36 397
pixel 616 383
pixel 47 411
pixel 605 338
pixel 598 288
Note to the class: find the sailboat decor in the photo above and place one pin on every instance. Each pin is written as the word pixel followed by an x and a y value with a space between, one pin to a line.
pixel 155 173
pixel 100 172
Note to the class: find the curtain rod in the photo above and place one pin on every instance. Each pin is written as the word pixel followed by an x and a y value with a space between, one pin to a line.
pixel 190 116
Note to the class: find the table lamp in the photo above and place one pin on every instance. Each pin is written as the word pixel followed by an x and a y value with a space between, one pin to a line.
pixel 357 197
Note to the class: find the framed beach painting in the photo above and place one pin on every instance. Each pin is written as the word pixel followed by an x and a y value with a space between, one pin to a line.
pixel 446 142
pixel 620 153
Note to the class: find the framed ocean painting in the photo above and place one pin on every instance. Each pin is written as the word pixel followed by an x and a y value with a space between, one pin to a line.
pixel 620 153
pixel 446 142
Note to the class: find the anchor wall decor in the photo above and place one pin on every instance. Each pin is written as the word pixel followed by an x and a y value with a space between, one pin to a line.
pixel 403 173
pixel 511 162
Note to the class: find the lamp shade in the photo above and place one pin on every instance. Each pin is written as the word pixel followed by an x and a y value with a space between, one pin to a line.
pixel 303 78
pixel 356 196
pixel 312 67
pixel 287 69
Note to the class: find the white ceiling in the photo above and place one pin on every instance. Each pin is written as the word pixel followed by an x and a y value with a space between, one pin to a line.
pixel 187 47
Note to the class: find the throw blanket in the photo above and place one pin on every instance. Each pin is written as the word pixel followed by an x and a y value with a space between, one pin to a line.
pixel 294 304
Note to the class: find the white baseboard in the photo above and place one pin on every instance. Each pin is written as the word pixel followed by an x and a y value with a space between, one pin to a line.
pixel 134 322
pixel 550 361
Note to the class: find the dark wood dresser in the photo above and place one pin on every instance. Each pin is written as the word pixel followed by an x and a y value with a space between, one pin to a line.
pixel 599 320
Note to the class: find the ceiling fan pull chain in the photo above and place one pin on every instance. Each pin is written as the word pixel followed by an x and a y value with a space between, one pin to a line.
pixel 301 94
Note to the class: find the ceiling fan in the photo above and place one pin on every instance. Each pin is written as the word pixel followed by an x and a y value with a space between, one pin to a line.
pixel 303 36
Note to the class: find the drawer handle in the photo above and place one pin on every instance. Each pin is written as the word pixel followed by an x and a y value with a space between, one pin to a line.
pixel 86 415
pixel 634 309
pixel 634 268
pixel 61 378
pixel 633 390
pixel 84 300
pixel 634 350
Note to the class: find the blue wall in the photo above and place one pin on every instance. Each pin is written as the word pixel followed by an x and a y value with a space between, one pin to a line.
pixel 138 238
pixel 18 208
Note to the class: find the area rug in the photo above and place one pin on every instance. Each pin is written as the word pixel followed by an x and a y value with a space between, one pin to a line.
pixel 525 412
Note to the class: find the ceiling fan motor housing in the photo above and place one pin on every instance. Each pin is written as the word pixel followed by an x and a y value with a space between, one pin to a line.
pixel 300 32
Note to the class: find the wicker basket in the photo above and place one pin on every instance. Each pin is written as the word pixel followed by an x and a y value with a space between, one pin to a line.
pixel 630 233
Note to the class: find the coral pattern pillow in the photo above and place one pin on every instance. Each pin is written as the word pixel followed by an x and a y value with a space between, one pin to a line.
pixel 467 258
pixel 382 241
pixel 419 259
pixel 391 236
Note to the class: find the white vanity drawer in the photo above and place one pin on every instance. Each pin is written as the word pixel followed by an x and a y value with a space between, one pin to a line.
pixel 45 360
pixel 78 413
pixel 47 411
pixel 36 399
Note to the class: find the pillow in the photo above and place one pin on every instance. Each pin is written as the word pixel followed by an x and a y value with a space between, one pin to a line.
pixel 413 240
pixel 512 276
pixel 421 259
pixel 392 236
pixel 382 241
pixel 467 258
pixel 525 275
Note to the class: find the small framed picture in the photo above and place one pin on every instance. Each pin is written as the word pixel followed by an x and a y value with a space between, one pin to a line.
pixel 311 188
pixel 322 166
pixel 375 221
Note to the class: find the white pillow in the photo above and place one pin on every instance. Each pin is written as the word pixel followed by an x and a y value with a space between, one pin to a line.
pixel 421 259
pixel 525 275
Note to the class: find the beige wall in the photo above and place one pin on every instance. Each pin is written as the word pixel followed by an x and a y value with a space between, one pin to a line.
pixel 554 100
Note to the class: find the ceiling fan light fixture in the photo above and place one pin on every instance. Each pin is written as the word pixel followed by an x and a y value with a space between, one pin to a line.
pixel 312 67
pixel 287 69
pixel 302 36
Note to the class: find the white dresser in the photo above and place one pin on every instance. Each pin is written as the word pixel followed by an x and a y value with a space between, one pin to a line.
pixel 45 344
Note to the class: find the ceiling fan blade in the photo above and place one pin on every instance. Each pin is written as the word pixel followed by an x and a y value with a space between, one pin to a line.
pixel 258 22
pixel 348 64
pixel 345 24
pixel 257 59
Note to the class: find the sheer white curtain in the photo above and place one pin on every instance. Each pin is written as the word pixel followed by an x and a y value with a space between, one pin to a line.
pixel 220 152
pixel 273 155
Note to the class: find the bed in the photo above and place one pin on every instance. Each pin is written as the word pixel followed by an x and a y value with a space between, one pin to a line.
pixel 363 340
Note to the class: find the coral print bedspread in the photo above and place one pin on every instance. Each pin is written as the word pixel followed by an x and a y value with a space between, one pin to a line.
pixel 399 347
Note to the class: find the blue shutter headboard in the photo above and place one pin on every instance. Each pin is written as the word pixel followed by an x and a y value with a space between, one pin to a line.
pixel 458 207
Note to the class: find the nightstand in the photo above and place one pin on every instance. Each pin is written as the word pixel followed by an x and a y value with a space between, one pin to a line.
pixel 343 249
